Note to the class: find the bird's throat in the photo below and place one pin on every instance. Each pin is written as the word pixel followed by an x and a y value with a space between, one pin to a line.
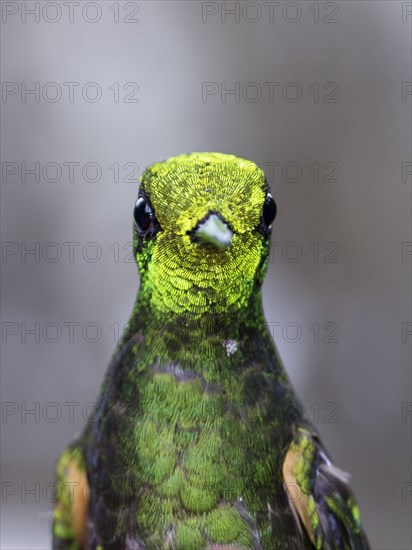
pixel 195 339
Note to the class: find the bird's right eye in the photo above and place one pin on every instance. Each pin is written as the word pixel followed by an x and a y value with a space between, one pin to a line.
pixel 143 214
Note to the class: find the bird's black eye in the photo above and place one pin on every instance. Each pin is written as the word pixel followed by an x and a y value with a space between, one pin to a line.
pixel 143 214
pixel 269 210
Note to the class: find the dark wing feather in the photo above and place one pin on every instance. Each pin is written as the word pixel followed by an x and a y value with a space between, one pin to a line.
pixel 320 494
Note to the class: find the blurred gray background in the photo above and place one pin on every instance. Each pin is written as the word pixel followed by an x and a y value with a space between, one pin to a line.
pixel 322 100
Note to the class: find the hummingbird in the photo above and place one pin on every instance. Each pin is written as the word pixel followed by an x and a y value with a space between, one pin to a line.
pixel 198 440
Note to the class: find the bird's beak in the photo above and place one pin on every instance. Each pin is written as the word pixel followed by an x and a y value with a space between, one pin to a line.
pixel 213 231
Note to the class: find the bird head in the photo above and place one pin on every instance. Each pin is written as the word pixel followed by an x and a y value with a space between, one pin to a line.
pixel 201 229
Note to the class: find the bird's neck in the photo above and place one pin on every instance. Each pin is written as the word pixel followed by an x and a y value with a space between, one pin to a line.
pixel 190 337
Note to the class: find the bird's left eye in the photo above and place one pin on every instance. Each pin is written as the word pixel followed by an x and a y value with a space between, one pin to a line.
pixel 143 214
pixel 269 210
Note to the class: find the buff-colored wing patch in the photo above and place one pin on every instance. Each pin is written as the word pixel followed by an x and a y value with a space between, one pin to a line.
pixel 70 513
pixel 297 498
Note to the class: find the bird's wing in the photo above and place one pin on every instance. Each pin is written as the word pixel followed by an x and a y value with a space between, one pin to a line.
pixel 70 512
pixel 320 496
